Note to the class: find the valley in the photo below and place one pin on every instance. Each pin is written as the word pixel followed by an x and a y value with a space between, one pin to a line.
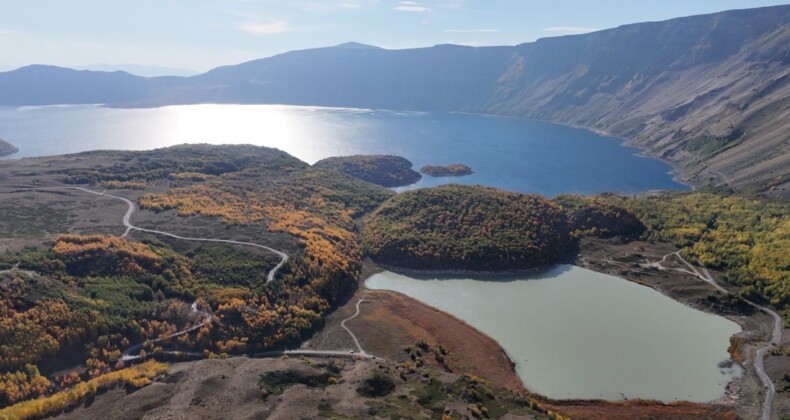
pixel 457 225
pixel 200 198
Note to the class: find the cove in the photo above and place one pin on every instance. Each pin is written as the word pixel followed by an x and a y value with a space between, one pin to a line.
pixel 575 333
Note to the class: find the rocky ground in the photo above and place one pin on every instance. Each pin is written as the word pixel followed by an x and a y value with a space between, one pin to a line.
pixel 242 388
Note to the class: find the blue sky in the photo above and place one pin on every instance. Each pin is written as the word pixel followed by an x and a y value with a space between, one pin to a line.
pixel 202 34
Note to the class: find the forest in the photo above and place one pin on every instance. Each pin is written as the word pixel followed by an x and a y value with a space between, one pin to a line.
pixel 746 238
pixel 454 227
pixel 385 170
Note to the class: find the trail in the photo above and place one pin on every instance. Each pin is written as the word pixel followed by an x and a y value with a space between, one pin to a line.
pixel 127 354
pixel 353 336
pixel 12 269
pixel 16 269
pixel 130 227
pixel 776 335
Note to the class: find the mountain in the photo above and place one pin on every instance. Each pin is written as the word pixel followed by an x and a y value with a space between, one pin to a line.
pixel 709 93
pixel 140 70
pixel 51 85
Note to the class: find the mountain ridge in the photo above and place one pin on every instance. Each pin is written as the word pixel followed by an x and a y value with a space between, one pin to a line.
pixel 708 93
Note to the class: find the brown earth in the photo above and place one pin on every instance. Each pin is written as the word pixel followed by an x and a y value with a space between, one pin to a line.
pixel 606 410
pixel 389 322
pixel 224 389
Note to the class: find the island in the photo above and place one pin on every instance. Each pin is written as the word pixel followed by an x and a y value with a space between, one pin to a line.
pixel 385 170
pixel 455 169
pixel 467 228
pixel 7 148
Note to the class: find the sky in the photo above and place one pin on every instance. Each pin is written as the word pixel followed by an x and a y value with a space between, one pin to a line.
pixel 202 34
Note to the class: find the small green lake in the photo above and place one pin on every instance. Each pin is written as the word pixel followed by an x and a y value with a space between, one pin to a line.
pixel 576 333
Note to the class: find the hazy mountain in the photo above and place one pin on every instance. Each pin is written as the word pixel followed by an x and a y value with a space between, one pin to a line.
pixel 710 93
pixel 49 85
pixel 140 70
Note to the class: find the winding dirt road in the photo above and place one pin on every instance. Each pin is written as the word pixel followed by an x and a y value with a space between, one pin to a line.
pixel 128 355
pixel 353 336
pixel 776 335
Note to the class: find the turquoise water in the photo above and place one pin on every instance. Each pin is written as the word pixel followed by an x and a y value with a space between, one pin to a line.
pixel 576 333
pixel 517 155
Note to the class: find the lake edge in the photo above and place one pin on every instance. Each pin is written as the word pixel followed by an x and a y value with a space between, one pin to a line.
pixel 728 393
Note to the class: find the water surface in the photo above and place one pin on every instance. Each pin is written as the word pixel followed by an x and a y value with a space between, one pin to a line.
pixel 576 333
pixel 513 154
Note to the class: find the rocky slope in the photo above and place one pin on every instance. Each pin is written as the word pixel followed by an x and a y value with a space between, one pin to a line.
pixel 709 93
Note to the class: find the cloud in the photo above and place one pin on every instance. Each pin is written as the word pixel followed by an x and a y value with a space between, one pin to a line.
pixel 411 6
pixel 341 6
pixel 471 31
pixel 268 28
pixel 570 29
pixel 7 32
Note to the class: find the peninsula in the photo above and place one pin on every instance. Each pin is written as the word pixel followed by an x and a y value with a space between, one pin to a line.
pixel 7 148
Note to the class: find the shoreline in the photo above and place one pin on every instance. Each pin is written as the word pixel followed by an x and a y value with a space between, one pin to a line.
pixel 489 273
pixel 675 172
pixel 521 386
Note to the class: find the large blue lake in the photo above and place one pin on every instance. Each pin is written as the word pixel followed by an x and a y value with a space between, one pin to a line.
pixel 518 155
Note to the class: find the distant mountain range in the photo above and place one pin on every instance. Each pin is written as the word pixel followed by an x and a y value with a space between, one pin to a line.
pixel 140 70
pixel 709 93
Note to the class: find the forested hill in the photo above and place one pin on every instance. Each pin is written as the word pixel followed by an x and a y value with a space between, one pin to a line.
pixel 710 93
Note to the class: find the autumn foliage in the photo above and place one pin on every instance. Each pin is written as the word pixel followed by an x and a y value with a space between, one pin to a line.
pixel 747 238
pixel 384 170
pixel 456 227
pixel 134 377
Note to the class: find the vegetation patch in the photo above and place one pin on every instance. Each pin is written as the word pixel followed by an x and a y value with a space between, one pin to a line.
pixel 276 382
pixel 384 170
pixel 432 396
pixel 591 216
pixel 455 227
pixel 455 169
pixel 134 377
pixel 377 385
pixel 708 146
